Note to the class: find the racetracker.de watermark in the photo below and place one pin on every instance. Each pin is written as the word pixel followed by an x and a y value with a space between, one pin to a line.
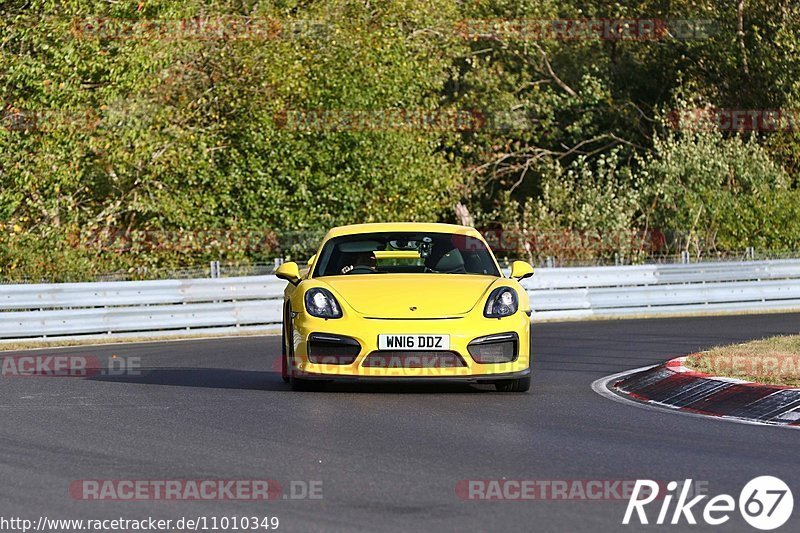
pixel 566 240
pixel 426 364
pixel 748 365
pixel 738 120
pixel 195 28
pixel 605 29
pixel 269 28
pixel 71 366
pixel 556 489
pixel 50 120
pixel 150 523
pixel 194 490
pixel 30 121
pixel 131 240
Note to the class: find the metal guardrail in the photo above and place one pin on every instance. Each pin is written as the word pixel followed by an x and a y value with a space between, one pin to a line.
pixel 571 293
pixel 146 307
pixel 59 309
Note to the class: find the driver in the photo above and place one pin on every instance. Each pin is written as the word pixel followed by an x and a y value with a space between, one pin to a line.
pixel 363 260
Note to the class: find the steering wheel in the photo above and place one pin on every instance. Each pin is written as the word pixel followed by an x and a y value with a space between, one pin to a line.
pixel 361 269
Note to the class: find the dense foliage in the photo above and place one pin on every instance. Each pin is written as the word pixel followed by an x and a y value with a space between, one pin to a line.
pixel 166 133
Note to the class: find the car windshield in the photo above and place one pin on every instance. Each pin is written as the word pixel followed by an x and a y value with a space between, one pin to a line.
pixel 405 253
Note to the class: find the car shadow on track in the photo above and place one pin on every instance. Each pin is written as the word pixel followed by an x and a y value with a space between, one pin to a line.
pixel 225 378
pixel 406 388
pixel 212 378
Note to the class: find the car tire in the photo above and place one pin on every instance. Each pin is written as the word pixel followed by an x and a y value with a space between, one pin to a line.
pixel 517 385
pixel 284 352
pixel 514 385
pixel 297 384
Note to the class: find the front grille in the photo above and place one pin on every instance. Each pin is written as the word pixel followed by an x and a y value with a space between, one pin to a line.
pixel 324 348
pixel 413 359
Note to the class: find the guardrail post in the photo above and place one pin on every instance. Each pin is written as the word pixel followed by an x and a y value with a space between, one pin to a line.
pixel 215 273
pixel 685 257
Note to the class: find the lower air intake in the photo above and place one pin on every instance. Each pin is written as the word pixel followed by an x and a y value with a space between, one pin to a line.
pixel 413 359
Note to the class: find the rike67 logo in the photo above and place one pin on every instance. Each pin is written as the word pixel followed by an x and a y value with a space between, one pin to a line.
pixel 765 503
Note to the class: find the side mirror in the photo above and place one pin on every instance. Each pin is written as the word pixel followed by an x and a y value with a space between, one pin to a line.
pixel 521 270
pixel 290 272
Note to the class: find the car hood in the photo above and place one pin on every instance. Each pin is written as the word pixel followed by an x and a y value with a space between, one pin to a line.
pixel 394 295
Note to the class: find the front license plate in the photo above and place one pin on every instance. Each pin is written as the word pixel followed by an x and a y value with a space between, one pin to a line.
pixel 414 342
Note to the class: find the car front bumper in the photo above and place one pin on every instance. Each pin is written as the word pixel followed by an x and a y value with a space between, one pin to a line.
pixel 462 331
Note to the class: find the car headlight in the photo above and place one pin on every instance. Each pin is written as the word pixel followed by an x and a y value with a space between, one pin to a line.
pixel 502 301
pixel 321 304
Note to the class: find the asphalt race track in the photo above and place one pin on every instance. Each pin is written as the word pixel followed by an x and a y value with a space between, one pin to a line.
pixel 388 457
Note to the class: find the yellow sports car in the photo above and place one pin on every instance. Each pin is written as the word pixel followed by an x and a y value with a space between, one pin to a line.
pixel 405 301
